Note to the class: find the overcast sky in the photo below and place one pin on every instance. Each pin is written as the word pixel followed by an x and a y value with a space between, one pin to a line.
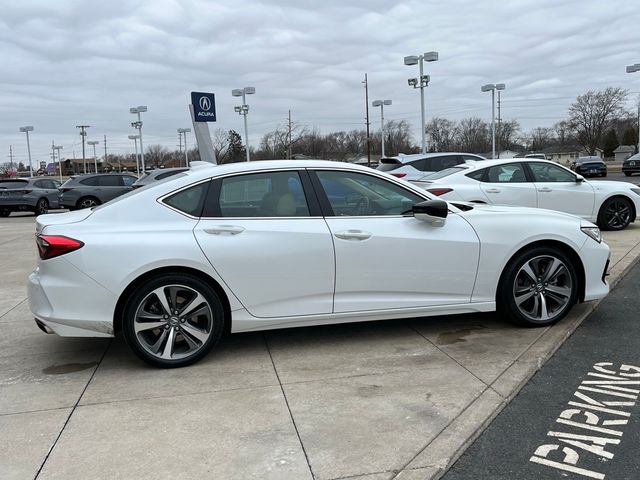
pixel 67 63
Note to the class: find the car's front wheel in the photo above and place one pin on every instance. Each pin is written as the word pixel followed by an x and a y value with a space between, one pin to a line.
pixel 173 320
pixel 41 207
pixel 615 214
pixel 627 174
pixel 5 212
pixel 538 287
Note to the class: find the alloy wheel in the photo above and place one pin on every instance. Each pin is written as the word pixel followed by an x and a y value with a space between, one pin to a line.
pixel 42 207
pixel 88 203
pixel 173 322
pixel 543 288
pixel 617 214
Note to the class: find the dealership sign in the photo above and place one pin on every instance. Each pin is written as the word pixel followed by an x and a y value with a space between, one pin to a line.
pixel 204 106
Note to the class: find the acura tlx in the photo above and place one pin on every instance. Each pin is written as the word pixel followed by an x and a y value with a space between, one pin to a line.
pixel 274 244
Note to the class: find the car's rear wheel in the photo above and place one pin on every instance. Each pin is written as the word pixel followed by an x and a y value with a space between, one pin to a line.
pixel 173 320
pixel 538 287
pixel 615 214
pixel 41 207
pixel 87 202
pixel 5 212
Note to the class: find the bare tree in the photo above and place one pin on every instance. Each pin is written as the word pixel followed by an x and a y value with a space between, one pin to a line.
pixel 591 114
pixel 474 135
pixel 156 155
pixel 539 138
pixel 442 134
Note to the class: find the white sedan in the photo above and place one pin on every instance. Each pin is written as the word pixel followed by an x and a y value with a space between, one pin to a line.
pixel 538 183
pixel 265 245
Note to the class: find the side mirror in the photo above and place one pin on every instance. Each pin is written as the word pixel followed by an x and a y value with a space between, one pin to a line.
pixel 579 179
pixel 433 212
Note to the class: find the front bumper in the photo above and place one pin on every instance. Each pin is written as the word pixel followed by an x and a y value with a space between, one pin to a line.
pixel 595 259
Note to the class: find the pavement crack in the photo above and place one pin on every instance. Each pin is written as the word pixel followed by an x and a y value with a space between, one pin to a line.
pixel 286 401
pixel 73 409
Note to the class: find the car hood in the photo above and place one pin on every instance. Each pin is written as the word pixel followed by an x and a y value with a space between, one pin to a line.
pixel 484 209
pixel 62 218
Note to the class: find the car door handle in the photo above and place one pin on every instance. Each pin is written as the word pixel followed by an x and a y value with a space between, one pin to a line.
pixel 492 190
pixel 544 189
pixel 353 235
pixel 224 229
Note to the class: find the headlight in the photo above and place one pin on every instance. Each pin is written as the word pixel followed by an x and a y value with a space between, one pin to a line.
pixel 593 232
pixel 636 191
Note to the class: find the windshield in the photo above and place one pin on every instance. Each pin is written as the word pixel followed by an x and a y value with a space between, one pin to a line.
pixel 445 173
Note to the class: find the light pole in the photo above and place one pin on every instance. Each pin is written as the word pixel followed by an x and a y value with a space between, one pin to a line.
pixel 83 134
pixel 58 148
pixel 138 110
pixel 381 104
pixel 93 143
pixel 421 84
pixel 492 87
pixel 135 142
pixel 244 110
pixel 26 130
pixel 184 131
pixel 633 69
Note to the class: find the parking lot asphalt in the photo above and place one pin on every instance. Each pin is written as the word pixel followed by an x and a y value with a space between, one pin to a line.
pixel 380 400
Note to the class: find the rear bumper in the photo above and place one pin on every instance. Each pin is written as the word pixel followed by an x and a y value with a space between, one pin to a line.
pixel 17 203
pixel 70 305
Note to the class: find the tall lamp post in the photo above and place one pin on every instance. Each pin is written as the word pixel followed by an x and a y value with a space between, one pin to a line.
pixel 93 143
pixel 57 148
pixel 492 87
pixel 633 69
pixel 381 104
pixel 244 110
pixel 421 83
pixel 135 142
pixel 138 110
pixel 184 131
pixel 26 130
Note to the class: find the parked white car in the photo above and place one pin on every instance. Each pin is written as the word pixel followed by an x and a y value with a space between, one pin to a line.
pixel 538 183
pixel 265 245
pixel 416 166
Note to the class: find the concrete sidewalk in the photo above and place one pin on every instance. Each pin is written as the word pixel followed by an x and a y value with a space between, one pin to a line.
pixel 384 400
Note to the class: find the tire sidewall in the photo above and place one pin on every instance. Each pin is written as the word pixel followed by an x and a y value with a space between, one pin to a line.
pixel 506 302
pixel 128 319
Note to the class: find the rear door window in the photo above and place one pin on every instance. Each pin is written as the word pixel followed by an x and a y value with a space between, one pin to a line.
pixel 441 163
pixel 128 181
pixel 189 201
pixel 507 173
pixel 110 181
pixel 90 181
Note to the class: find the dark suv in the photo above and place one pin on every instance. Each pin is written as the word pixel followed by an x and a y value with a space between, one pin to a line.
pixel 85 191
pixel 631 165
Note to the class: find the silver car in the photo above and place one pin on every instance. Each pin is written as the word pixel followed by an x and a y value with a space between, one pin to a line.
pixel 35 195
pixel 415 167
pixel 86 191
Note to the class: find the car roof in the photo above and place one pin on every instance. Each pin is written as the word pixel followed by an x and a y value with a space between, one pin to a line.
pixel 402 158
pixel 501 161
pixel 590 158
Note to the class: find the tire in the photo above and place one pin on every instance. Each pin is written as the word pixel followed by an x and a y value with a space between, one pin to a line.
pixel 615 214
pixel 87 202
pixel 42 207
pixel 5 212
pixel 173 339
pixel 530 301
pixel 627 174
pixel 603 174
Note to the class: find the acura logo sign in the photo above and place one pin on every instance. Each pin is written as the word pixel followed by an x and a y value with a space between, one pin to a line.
pixel 205 103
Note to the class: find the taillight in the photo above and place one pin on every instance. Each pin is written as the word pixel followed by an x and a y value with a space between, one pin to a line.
pixel 399 175
pixel 61 189
pixel 50 246
pixel 23 192
pixel 439 191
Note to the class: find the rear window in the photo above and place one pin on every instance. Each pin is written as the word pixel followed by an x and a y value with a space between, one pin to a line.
pixel 190 200
pixel 168 174
pixel 90 181
pixel 388 164
pixel 445 173
pixel 13 183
